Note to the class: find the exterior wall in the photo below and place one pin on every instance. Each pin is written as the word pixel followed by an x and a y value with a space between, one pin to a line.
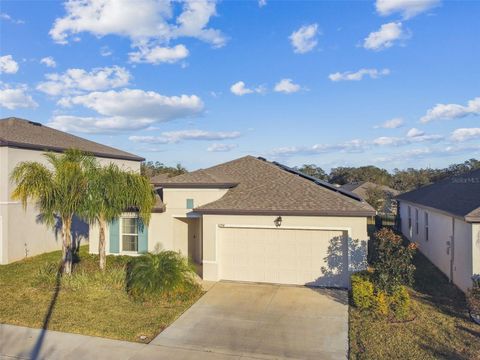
pixel 22 232
pixel 357 227
pixel 442 228
pixel 476 248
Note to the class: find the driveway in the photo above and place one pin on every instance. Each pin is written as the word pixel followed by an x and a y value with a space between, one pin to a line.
pixel 264 321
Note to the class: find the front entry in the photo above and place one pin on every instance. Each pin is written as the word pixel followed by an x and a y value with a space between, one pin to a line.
pixel 188 238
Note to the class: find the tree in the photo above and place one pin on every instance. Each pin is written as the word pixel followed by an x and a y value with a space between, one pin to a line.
pixel 376 197
pixel 346 175
pixel 112 191
pixel 150 168
pixel 58 191
pixel 313 170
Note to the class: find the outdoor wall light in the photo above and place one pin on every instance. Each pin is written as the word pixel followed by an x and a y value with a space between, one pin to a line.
pixel 278 221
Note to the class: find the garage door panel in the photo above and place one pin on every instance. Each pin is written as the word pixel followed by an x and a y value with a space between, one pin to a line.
pixel 287 256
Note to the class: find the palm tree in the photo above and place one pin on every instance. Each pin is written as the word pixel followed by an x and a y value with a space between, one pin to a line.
pixel 58 191
pixel 112 191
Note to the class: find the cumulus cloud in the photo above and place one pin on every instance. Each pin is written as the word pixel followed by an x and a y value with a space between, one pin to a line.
pixel 159 54
pixel 452 111
pixel 127 109
pixel 358 75
pixel 240 89
pixel 170 137
pixel 385 37
pixel 221 147
pixel 391 124
pixel 352 146
pixel 407 8
pixel 465 134
pixel 286 86
pixel 413 136
pixel 78 80
pixel 8 65
pixel 48 61
pixel 7 17
pixel 304 39
pixel 262 3
pixel 16 97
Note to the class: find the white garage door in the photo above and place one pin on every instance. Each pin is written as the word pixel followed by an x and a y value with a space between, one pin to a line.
pixel 284 256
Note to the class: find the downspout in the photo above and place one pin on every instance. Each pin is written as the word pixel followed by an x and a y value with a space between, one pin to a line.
pixel 451 250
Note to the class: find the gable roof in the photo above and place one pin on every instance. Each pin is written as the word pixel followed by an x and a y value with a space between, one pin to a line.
pixel 24 134
pixel 360 188
pixel 457 195
pixel 256 186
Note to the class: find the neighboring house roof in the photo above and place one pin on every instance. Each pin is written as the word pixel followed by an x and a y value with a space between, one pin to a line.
pixel 159 178
pixel 457 195
pixel 24 134
pixel 257 186
pixel 361 188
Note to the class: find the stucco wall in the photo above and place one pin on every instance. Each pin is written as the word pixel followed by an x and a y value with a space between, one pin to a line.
pixel 437 248
pixel 22 232
pixel 476 248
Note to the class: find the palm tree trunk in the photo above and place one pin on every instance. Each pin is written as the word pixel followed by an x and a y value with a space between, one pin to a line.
pixel 67 245
pixel 101 244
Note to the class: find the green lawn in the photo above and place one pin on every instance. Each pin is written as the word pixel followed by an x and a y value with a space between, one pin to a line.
pixel 441 328
pixel 88 303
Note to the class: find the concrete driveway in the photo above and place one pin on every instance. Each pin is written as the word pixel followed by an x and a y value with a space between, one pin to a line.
pixel 264 321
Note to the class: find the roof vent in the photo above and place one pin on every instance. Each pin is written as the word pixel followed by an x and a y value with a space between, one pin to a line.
pixel 34 123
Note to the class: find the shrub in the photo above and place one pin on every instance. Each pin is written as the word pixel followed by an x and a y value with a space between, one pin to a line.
pixel 473 298
pixel 400 303
pixel 362 291
pixel 392 262
pixel 381 303
pixel 164 273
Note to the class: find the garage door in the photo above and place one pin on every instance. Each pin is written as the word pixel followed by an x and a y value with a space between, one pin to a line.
pixel 284 256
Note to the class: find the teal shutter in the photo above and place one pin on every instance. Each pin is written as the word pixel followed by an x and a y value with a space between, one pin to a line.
pixel 114 237
pixel 142 238
pixel 189 203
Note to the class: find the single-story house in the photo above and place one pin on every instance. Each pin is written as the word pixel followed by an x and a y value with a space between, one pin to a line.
pixel 22 233
pixel 252 220
pixel 362 188
pixel 444 219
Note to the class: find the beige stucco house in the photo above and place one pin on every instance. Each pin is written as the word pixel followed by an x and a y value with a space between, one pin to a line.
pixel 444 219
pixel 252 220
pixel 22 233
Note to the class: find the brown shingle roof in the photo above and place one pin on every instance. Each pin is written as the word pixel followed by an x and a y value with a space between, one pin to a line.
pixel 24 134
pixel 360 188
pixel 457 195
pixel 258 186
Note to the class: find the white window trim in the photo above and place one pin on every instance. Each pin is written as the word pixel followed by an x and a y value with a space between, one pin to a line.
pixel 121 233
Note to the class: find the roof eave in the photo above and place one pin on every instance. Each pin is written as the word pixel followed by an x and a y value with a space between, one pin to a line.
pixel 359 213
pixel 196 185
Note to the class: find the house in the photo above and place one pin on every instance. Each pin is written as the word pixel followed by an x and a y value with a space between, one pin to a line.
pixel 22 233
pixel 444 219
pixel 252 220
pixel 363 189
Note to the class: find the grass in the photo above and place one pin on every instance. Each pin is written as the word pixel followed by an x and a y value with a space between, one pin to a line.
pixel 441 328
pixel 89 302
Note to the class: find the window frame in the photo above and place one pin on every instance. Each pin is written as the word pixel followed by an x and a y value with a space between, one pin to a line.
pixel 121 233
pixel 416 221
pixel 426 226
pixel 189 201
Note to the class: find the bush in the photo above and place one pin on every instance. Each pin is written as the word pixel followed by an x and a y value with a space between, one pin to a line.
pixel 400 303
pixel 381 303
pixel 166 273
pixel 473 298
pixel 392 261
pixel 362 291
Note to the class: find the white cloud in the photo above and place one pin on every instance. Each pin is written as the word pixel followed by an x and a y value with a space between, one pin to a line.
pixel 385 37
pixel 413 136
pixel 304 39
pixel 221 147
pixel 171 137
pixel 5 16
pixel 15 97
pixel 159 54
pixel 465 134
pixel 239 89
pixel 48 61
pixel 105 51
pixel 8 65
pixel 262 3
pixel 391 124
pixel 452 111
pixel 352 146
pixel 358 75
pixel 127 109
pixel 78 80
pixel 408 8
pixel 287 86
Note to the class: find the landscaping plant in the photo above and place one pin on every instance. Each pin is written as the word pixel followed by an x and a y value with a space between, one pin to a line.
pixel 473 299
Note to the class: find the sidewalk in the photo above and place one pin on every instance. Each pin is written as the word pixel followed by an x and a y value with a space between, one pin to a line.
pixel 18 342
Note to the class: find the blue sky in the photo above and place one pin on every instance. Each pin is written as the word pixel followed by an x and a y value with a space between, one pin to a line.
pixel 392 83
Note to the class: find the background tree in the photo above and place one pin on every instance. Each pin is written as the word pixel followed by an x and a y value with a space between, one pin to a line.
pixel 58 191
pixel 112 191
pixel 376 197
pixel 313 170
pixel 150 168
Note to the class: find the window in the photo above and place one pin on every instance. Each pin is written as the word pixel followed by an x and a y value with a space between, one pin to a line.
pixel 416 221
pixel 426 226
pixel 129 234
pixel 189 203
pixel 409 217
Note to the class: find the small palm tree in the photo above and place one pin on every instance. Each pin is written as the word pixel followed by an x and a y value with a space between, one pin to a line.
pixel 58 191
pixel 112 191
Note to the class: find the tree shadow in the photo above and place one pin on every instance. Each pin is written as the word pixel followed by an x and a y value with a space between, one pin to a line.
pixel 79 230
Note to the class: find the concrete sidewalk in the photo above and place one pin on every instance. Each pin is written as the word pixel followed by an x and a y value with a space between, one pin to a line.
pixel 18 342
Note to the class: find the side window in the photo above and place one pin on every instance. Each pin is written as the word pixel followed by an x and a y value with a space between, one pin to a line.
pixel 129 234
pixel 409 217
pixel 190 204
pixel 416 221
pixel 426 226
